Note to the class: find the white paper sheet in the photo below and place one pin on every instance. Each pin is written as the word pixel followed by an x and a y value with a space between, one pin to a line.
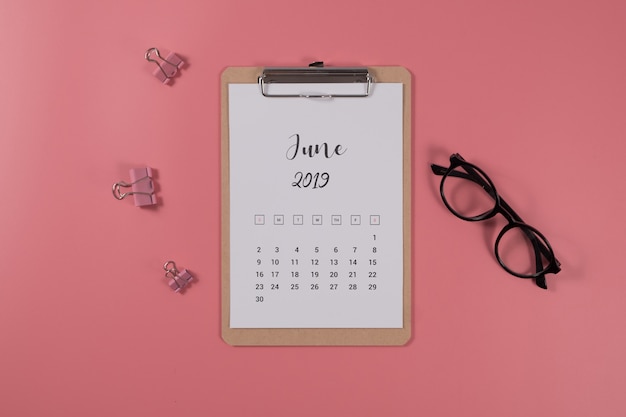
pixel 316 210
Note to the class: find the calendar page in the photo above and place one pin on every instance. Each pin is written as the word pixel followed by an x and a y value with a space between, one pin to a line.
pixel 316 209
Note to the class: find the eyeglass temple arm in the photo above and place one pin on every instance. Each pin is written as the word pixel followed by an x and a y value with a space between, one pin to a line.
pixel 438 169
pixel 539 247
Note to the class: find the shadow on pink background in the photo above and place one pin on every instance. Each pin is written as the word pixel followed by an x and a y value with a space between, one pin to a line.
pixel 533 92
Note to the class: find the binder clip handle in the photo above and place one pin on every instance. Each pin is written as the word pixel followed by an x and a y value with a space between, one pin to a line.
pixel 156 52
pixel 170 271
pixel 117 190
pixel 118 194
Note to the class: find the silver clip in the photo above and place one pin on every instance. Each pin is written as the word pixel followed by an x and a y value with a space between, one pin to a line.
pixel 316 73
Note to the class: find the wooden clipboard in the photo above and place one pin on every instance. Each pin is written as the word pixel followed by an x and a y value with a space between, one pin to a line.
pixel 315 336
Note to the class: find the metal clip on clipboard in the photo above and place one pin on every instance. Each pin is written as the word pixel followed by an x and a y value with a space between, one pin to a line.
pixel 316 73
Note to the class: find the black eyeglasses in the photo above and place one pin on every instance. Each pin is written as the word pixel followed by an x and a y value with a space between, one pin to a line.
pixel 470 195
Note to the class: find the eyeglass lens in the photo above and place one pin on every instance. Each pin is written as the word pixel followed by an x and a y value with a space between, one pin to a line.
pixel 464 193
pixel 519 250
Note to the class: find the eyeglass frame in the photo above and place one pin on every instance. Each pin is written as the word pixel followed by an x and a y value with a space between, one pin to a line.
pixel 478 176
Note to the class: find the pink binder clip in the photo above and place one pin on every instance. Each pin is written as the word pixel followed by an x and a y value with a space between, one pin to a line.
pixel 166 67
pixel 141 185
pixel 177 280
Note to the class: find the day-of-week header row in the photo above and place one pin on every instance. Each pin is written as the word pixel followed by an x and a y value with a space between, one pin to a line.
pixel 315 219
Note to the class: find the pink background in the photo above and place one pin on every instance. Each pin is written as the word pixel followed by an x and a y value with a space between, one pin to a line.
pixel 534 92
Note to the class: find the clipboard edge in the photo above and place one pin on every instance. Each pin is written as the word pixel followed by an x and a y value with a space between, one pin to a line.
pixel 318 337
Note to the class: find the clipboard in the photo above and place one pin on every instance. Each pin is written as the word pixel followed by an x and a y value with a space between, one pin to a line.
pixel 266 81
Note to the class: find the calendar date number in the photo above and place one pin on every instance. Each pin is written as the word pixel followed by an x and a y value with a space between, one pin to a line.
pixel 310 179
